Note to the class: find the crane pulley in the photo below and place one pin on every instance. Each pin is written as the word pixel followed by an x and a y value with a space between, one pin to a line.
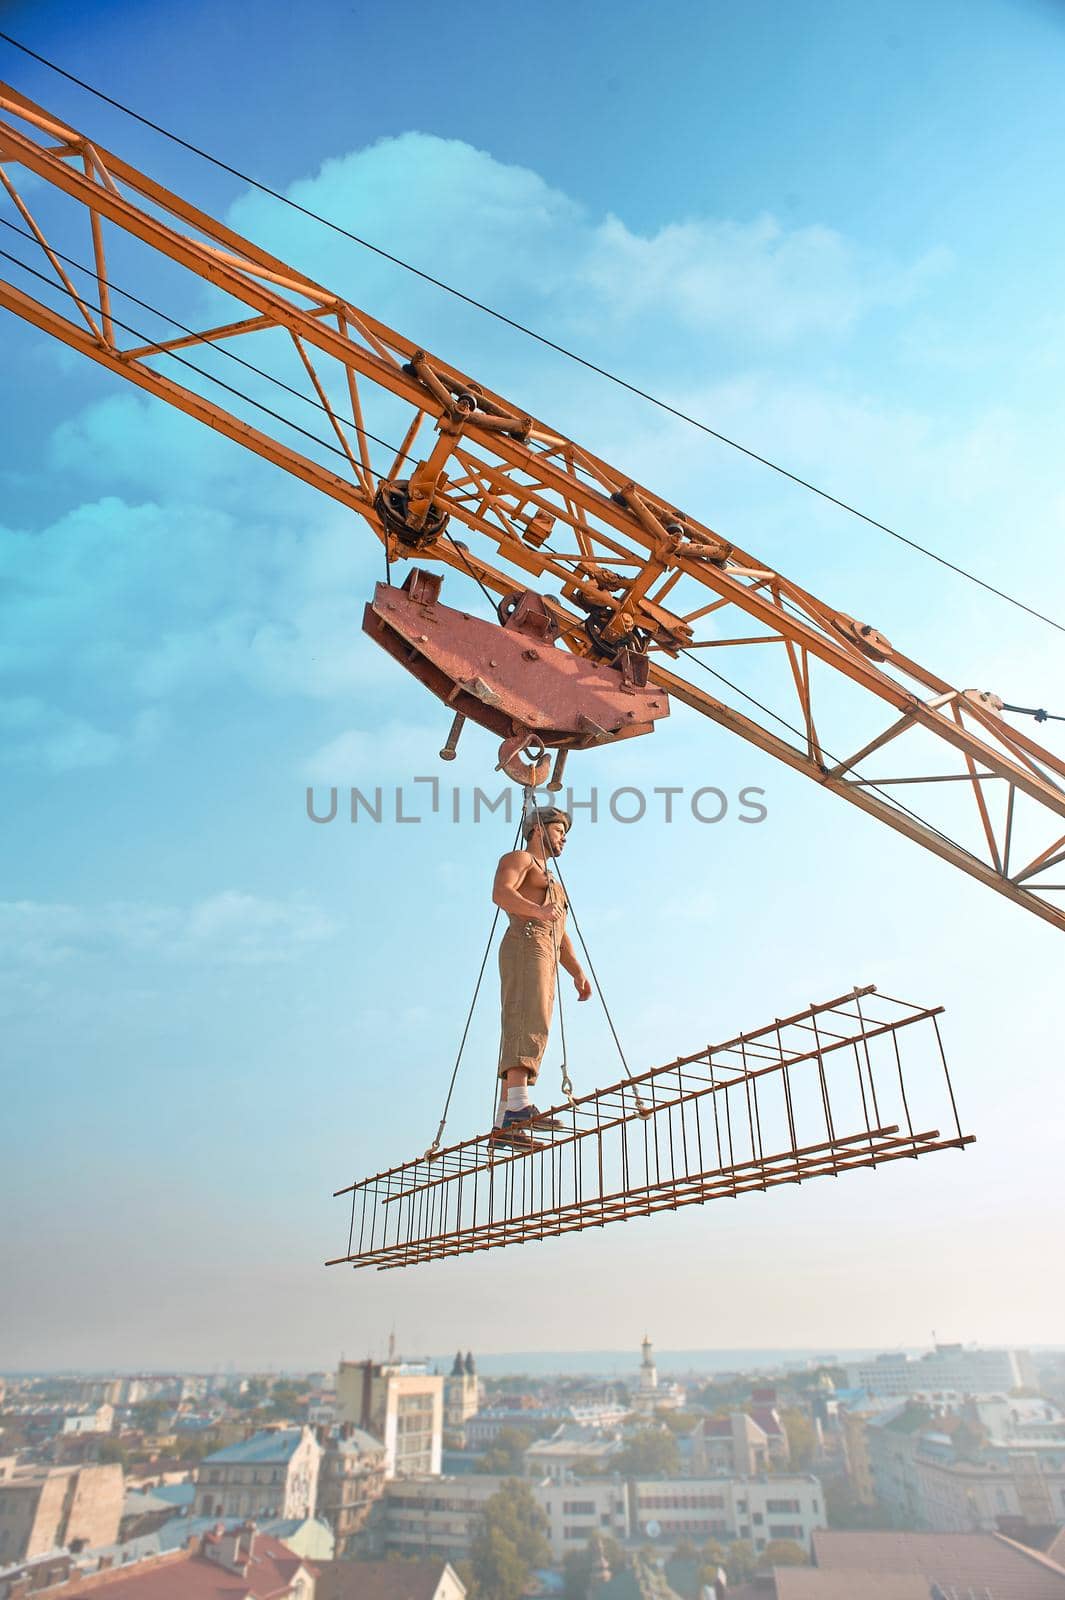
pixel 636 577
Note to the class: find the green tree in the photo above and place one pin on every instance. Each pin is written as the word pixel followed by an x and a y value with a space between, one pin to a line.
pixel 111 1450
pixel 783 1553
pixel 577 1569
pixel 802 1440
pixel 253 1396
pixel 678 1422
pixel 844 1510
pixel 464 1572
pixel 740 1561
pixel 651 1453
pixel 287 1401
pixel 510 1542
pixel 148 1414
pixel 713 1554
pixel 504 1457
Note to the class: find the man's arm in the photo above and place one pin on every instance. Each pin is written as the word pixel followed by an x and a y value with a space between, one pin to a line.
pixel 567 960
pixel 506 892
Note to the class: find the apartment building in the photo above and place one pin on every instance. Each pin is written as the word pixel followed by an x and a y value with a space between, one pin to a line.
pixel 697 1509
pixel 351 1480
pixel 74 1507
pixel 400 1403
pixel 948 1369
pixel 232 1564
pixel 571 1452
pixel 439 1516
pixel 272 1474
pixel 924 1479
pixel 726 1447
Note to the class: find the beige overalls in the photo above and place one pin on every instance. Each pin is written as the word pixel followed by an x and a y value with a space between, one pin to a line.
pixel 528 960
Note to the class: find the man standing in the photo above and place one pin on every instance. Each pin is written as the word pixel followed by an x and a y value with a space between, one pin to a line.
pixel 534 946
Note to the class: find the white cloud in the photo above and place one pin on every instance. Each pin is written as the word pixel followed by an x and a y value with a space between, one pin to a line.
pixel 757 280
pixel 362 756
pixel 229 927
pixel 531 243
pixel 125 607
pixel 33 734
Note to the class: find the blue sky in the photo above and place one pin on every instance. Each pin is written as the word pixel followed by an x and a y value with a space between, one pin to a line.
pixel 830 230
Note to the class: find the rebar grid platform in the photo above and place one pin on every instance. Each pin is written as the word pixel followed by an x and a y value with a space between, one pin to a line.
pixel 812 1095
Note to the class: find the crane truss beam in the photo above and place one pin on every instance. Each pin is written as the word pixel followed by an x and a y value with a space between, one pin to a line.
pixel 522 487
pixel 812 1095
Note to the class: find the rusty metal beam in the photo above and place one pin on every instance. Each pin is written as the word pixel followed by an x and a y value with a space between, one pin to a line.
pixel 833 1100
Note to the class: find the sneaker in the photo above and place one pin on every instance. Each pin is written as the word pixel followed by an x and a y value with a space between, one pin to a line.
pixel 521 1137
pixel 529 1117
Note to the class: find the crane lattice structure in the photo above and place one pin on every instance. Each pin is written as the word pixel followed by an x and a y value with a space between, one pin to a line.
pixel 855 1082
pixel 630 568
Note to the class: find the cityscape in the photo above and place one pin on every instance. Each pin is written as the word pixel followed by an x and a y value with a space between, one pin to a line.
pixel 937 1474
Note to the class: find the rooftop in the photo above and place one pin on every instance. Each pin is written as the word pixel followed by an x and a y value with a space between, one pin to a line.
pixel 356 1442
pixel 185 1575
pixel 806 1583
pixel 380 1580
pixel 986 1562
pixel 271 1448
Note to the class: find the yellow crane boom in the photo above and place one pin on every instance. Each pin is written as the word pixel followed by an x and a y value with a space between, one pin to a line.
pixel 634 572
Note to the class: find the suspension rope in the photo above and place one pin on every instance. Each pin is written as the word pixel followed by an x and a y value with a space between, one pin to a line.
pixel 461 551
pixel 556 945
pixel 640 1107
pixel 1034 711
pixel 435 1146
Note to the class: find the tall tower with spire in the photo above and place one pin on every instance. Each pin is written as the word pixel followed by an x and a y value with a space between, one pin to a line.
pixel 462 1397
pixel 647 1393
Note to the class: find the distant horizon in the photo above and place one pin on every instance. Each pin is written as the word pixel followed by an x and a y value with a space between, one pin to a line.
pixel 555 1363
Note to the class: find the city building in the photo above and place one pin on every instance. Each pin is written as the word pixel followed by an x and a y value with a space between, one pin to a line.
pixel 99 1420
pixel 1003 1485
pixel 976 1564
pixel 237 1564
pixel 539 1421
pixel 351 1479
pixel 577 1511
pixel 72 1507
pixel 388 1580
pixel 647 1393
pixel 400 1403
pixel 937 1471
pixel 728 1447
pixel 272 1474
pixel 650 1395
pixel 764 1414
pixel 697 1509
pixel 570 1452
pixel 439 1516
pixel 949 1369
pixel 462 1395
pixel 1017 1419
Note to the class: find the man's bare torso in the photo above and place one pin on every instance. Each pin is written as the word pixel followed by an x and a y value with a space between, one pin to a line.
pixel 533 880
